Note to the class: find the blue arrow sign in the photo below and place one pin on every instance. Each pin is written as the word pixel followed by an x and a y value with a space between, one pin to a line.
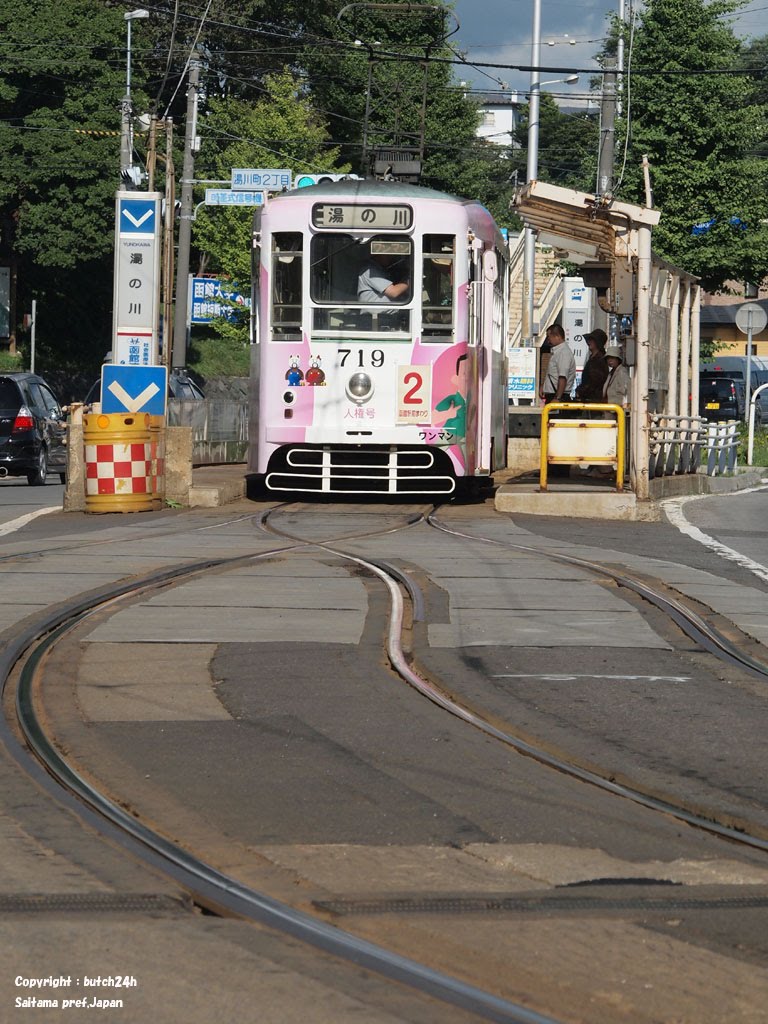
pixel 137 216
pixel 134 389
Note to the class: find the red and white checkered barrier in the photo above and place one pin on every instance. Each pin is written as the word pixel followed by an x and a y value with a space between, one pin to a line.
pixel 119 468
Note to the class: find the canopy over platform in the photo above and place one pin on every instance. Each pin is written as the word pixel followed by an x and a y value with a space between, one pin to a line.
pixel 611 243
pixel 580 226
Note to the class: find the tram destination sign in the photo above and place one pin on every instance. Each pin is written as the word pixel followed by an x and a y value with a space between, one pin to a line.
pixel 373 215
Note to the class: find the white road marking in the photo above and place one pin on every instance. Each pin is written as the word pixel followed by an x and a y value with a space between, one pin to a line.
pixel 133 404
pixel 16 524
pixel 673 508
pixel 558 676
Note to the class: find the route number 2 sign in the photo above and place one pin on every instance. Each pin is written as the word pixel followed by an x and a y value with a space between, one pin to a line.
pixel 414 394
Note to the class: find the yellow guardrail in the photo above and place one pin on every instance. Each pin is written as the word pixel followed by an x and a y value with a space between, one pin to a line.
pixel 619 425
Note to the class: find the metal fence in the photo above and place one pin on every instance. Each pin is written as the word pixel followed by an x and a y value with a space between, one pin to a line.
pixel 219 428
pixel 683 444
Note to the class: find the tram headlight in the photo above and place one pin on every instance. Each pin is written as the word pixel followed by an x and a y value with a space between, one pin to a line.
pixel 360 388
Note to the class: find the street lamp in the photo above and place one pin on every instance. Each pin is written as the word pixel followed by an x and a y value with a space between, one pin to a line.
pixel 529 250
pixel 126 108
pixel 570 80
pixel 532 169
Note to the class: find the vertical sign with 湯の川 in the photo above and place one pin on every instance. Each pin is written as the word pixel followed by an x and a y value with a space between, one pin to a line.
pixel 136 306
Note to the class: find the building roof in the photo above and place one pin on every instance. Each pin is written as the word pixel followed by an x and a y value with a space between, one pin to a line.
pixel 498 99
pixel 726 314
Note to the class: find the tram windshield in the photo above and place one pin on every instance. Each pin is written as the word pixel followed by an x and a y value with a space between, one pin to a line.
pixel 361 284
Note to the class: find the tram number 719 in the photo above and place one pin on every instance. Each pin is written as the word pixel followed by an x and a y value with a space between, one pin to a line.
pixel 376 355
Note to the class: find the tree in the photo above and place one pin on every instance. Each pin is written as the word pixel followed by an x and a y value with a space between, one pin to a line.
pixel 754 56
pixel 567 152
pixel 281 126
pixel 402 47
pixel 62 76
pixel 698 130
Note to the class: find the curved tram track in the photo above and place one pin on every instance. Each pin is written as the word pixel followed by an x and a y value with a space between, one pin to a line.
pixel 224 894
pixel 692 624
pixel 207 886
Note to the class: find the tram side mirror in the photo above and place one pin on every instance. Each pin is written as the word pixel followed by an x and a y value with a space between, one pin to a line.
pixel 490 266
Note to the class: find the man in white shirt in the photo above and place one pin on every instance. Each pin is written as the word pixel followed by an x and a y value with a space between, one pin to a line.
pixel 377 283
pixel 560 375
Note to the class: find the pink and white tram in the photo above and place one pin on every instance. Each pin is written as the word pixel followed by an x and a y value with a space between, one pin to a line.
pixel 357 392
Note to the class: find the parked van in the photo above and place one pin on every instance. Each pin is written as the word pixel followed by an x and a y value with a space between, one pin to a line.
pixel 735 367
pixel 721 398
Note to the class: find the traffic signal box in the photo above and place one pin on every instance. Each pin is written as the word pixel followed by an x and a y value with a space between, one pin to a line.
pixel 305 180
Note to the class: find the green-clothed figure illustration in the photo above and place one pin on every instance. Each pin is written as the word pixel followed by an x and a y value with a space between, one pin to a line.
pixel 455 404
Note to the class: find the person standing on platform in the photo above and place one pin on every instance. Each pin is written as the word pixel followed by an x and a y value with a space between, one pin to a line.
pixel 615 392
pixel 616 387
pixel 560 374
pixel 595 370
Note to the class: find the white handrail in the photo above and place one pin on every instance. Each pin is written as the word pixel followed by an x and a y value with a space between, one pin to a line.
pixel 751 434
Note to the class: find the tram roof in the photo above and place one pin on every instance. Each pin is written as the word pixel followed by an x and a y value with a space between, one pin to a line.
pixel 375 187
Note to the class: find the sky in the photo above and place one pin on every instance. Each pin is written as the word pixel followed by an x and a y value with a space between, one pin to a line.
pixel 499 31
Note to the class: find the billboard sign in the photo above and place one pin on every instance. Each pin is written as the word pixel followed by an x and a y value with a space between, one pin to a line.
pixel 211 297
pixel 521 382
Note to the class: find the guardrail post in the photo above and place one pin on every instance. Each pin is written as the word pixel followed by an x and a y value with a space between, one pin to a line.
pixel 733 447
pixel 722 452
pixel 543 459
pixel 711 449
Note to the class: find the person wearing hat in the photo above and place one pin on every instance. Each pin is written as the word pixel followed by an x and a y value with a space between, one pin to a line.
pixel 616 386
pixel 615 392
pixel 595 370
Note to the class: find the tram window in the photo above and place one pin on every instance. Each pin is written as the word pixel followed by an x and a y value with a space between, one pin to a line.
pixel 437 282
pixel 286 286
pixel 335 265
pixel 337 261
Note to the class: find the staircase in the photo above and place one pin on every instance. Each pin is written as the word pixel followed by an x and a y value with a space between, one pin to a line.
pixel 547 292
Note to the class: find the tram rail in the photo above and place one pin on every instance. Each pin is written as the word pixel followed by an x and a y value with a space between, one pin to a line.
pixel 226 895
pixel 207 886
pixel 691 623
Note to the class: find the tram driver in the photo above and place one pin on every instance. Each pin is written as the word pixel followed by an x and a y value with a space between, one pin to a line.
pixel 381 279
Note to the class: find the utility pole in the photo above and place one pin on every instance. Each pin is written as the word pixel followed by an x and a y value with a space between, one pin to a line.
pixel 607 130
pixel 532 172
pixel 620 54
pixel 126 106
pixel 168 254
pixel 152 153
pixel 185 221
pixel 33 336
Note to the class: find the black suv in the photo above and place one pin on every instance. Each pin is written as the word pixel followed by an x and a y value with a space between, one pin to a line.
pixel 32 429
pixel 721 398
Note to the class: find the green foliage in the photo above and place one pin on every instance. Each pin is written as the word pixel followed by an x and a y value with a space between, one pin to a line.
pixel 62 75
pixel 10 362
pixel 759 448
pixel 455 160
pixel 219 357
pixel 698 131
pixel 280 128
pixel 567 153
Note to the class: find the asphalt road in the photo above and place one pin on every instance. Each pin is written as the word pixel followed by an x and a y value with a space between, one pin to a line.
pixel 18 499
